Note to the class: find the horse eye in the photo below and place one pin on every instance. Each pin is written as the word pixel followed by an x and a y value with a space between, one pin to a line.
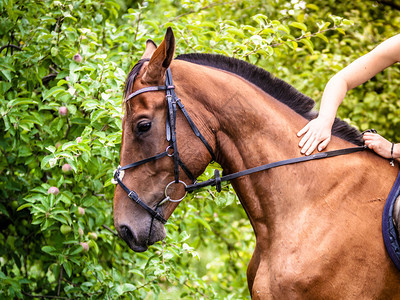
pixel 143 127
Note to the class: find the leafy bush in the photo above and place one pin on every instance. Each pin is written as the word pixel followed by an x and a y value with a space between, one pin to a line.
pixel 62 70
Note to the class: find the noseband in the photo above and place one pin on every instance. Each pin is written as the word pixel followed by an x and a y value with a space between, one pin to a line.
pixel 172 150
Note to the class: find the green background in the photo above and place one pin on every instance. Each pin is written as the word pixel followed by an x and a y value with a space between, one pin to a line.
pixel 209 239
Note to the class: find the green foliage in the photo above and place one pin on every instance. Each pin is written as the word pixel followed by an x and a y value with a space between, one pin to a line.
pixel 76 55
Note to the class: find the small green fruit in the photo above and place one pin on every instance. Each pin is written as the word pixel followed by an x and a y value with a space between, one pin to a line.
pixel 14 204
pixel 65 229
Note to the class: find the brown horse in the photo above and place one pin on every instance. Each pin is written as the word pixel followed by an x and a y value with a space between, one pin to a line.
pixel 317 224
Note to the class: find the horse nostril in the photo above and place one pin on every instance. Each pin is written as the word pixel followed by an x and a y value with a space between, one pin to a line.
pixel 126 234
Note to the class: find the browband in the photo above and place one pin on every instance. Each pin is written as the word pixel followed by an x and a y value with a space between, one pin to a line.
pixel 149 89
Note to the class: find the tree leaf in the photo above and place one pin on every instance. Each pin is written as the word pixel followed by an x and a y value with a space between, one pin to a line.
pixel 68 268
pixel 299 25
pixel 53 92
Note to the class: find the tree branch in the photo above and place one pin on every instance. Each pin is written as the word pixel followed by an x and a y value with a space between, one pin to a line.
pixel 197 290
pixel 10 46
pixel 59 280
pixel 49 77
pixel 110 230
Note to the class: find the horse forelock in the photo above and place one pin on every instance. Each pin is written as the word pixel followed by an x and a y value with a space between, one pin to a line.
pixel 130 79
pixel 273 86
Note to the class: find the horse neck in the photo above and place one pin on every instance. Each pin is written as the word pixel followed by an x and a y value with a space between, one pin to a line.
pixel 257 129
pixel 252 128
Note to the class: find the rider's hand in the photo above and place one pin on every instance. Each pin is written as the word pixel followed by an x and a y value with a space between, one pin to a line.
pixel 379 144
pixel 317 133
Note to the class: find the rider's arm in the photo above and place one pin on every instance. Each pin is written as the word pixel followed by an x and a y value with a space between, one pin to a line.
pixel 318 131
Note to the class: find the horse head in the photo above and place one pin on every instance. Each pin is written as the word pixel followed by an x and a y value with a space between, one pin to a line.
pixel 155 170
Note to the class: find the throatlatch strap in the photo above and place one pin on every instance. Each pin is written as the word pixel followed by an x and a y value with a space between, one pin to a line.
pixel 187 172
pixel 195 129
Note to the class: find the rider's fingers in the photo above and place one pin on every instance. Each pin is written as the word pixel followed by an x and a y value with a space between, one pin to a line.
pixel 307 144
pixel 312 147
pixel 370 135
pixel 306 137
pixel 304 130
pixel 323 144
pixel 370 144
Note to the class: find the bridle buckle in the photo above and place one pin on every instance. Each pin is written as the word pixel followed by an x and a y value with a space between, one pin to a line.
pixel 119 173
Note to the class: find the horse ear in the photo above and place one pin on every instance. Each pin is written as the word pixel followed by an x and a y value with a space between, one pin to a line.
pixel 161 58
pixel 150 48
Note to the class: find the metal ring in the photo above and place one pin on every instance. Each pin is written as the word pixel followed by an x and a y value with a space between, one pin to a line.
pixel 166 150
pixel 177 200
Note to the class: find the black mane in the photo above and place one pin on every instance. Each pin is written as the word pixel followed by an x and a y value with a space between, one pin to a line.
pixel 275 87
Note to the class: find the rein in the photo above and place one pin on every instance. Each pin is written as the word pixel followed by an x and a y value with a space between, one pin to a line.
pixel 218 179
pixel 173 102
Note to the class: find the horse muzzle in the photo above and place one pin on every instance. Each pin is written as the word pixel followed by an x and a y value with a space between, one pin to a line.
pixel 144 237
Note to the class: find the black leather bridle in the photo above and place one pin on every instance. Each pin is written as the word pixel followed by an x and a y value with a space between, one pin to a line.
pixel 172 151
